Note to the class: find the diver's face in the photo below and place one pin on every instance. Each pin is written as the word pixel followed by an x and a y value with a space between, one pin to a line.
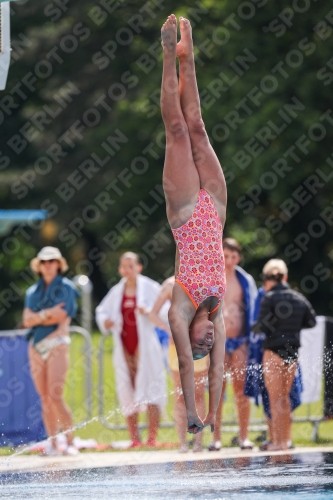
pixel 201 337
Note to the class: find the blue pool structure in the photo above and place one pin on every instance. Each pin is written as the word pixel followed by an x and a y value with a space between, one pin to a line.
pixel 307 476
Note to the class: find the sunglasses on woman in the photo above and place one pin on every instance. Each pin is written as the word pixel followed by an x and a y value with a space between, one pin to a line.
pixel 50 260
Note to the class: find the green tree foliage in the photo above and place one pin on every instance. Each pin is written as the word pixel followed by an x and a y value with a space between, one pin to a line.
pixel 82 131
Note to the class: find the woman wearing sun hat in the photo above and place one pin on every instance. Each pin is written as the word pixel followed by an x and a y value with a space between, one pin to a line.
pixel 49 306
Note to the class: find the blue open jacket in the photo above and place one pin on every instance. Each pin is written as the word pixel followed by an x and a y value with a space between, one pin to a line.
pixel 254 384
pixel 249 294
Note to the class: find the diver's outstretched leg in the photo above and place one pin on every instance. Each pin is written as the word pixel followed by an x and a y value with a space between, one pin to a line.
pixel 180 177
pixel 188 89
pixel 206 161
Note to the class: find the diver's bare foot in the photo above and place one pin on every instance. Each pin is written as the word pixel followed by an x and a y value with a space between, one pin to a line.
pixel 185 46
pixel 169 35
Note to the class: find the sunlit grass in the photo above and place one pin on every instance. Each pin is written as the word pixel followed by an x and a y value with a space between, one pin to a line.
pixel 90 426
pixel 302 432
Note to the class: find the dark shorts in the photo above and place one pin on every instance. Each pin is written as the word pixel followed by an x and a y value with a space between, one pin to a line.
pixel 289 354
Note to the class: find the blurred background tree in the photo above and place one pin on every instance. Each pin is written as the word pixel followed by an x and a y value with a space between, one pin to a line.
pixel 82 135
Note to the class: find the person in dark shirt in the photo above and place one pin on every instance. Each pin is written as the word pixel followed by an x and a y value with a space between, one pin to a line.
pixel 283 314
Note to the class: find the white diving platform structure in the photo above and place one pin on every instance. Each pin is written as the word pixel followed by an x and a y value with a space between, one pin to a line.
pixel 4 43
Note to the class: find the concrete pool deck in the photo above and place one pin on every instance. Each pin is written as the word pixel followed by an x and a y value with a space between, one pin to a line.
pixel 35 463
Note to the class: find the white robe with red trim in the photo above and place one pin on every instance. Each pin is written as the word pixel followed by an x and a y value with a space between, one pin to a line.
pixel 150 382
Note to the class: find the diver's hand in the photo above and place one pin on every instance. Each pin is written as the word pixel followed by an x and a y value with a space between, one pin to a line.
pixel 210 421
pixel 194 424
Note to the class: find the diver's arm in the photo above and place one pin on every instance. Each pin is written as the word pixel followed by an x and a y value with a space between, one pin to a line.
pixel 180 332
pixel 180 316
pixel 216 368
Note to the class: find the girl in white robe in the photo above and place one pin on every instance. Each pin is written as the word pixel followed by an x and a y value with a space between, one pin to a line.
pixel 140 377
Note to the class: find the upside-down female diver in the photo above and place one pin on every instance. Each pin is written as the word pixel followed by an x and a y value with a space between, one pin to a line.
pixel 196 198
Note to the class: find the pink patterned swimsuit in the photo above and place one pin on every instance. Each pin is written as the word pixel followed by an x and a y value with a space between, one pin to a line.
pixel 201 269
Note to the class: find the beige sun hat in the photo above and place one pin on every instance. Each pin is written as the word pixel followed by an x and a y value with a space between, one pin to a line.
pixel 48 253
